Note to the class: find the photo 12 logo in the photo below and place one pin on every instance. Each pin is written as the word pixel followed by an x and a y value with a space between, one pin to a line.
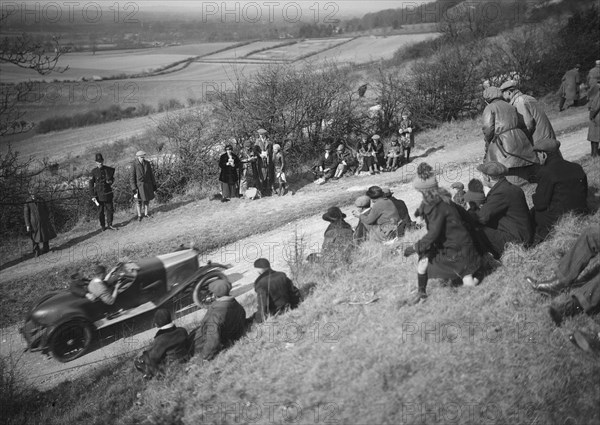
pixel 270 11
pixel 54 12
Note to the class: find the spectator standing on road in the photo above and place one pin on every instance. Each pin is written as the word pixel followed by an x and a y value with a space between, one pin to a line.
pixel 569 88
pixel 37 222
pixel 229 163
pixel 594 124
pixel 592 81
pixel 101 192
pixel 143 183
pixel 407 135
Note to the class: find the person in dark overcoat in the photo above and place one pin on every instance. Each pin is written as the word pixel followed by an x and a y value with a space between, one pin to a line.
pixel 505 139
pixel 594 124
pixel 337 240
pixel 275 292
pixel 229 163
pixel 593 79
pixel 379 151
pixel 404 221
pixel 562 188
pixel 250 171
pixel 101 191
pixel 569 88
pixel 383 217
pixel 328 162
pixel 504 217
pixel 448 250
pixel 37 223
pixel 142 183
pixel 170 345
pixel 223 324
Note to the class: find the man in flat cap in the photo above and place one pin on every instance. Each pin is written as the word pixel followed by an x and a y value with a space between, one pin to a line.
pixel 101 192
pixel 505 138
pixel 223 324
pixel 562 187
pixel 275 292
pixel 170 345
pixel 569 88
pixel 143 183
pixel 530 112
pixel 504 217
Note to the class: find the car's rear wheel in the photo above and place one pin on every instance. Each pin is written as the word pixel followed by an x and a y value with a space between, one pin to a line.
pixel 201 295
pixel 71 340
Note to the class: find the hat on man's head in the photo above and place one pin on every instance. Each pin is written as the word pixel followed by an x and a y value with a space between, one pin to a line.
pixel 262 263
pixel 140 153
pixel 363 201
pixel 492 169
pixel 262 131
pixel 387 192
pixel 510 84
pixel 546 145
pixel 492 93
pixel 162 317
pixel 375 137
pixel 334 214
pixel 219 287
pixel 99 157
pixel 425 178
pixel 457 186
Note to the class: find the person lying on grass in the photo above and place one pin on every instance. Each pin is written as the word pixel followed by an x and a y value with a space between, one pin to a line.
pixel 170 345
pixel 448 250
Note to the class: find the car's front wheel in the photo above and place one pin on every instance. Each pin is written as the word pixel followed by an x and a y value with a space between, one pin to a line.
pixel 71 340
pixel 201 295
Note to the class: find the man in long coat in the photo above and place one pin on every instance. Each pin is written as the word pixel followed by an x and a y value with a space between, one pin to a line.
pixel 593 79
pixel 569 88
pixel 101 191
pixel 37 223
pixel 229 163
pixel 594 124
pixel 504 217
pixel 505 138
pixel 562 187
pixel 530 111
pixel 275 292
pixel 142 182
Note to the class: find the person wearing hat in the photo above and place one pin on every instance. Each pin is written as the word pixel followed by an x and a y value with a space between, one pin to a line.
pixel 530 112
pixel 101 192
pixel 328 163
pixel 279 162
pixel 224 321
pixel 170 345
pixel 475 196
pixel 407 135
pixel 37 222
pixel 459 193
pixel 337 240
pixel 142 183
pixel 265 155
pixel 505 138
pixel 584 298
pixel 448 250
pixel 593 79
pixel 98 288
pixel 346 161
pixel 594 124
pixel 229 163
pixel 250 175
pixel 504 217
pixel 562 188
pixel 383 217
pixel 405 220
pixel 363 206
pixel 275 292
pixel 569 88
pixel 379 149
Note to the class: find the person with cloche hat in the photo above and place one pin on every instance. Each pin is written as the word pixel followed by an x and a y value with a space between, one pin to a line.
pixel 337 240
pixel 504 217
pixel 102 193
pixel 530 112
pixel 142 183
pixel 562 188
pixel 448 250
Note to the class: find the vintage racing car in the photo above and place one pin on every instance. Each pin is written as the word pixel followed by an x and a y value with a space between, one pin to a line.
pixel 65 322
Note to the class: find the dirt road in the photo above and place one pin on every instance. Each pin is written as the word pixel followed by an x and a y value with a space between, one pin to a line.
pixel 182 222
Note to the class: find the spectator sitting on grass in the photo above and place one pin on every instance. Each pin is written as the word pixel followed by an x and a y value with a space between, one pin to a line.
pixel 337 241
pixel 383 216
pixel 459 194
pixel 170 345
pixel 346 161
pixel 327 165
pixel 363 206
pixel 275 292
pixel 475 196
pixel 395 156
pixel 405 220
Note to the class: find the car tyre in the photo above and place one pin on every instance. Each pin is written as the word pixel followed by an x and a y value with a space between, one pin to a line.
pixel 201 295
pixel 71 340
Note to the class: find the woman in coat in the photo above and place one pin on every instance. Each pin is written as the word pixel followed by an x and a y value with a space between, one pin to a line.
pixel 143 183
pixel 447 251
pixel 37 223
pixel 383 217
pixel 337 241
pixel 229 164
pixel 594 128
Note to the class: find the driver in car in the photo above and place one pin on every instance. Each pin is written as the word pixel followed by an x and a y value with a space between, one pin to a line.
pixel 97 288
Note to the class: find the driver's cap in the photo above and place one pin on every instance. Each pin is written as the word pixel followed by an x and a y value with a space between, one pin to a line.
pixel 219 287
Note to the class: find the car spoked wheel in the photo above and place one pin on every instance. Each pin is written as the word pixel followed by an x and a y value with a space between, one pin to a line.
pixel 201 295
pixel 70 341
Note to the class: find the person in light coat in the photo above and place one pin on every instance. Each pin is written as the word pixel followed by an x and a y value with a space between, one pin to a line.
pixel 594 123
pixel 569 88
pixel 142 183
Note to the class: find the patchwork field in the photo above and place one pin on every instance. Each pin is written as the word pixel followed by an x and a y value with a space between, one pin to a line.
pixel 298 50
